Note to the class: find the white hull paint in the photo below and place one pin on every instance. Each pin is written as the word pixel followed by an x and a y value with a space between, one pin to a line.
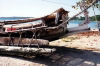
pixel 83 27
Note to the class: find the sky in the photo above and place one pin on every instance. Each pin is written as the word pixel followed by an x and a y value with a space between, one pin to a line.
pixel 37 8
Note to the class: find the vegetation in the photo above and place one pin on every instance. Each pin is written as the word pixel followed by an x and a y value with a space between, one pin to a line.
pixel 87 2
pixel 92 18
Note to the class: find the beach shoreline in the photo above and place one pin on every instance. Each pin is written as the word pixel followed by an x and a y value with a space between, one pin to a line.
pixel 89 40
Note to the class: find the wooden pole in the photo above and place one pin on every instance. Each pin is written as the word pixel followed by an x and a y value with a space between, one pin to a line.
pixel 25 50
pixel 23 42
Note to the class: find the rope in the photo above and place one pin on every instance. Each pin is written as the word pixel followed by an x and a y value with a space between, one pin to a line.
pixel 11 39
pixel 20 38
pixel 32 36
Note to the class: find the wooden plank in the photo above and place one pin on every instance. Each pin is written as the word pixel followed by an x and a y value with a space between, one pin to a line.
pixel 22 25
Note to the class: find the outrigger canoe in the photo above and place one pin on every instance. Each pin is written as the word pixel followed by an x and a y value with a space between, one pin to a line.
pixel 45 28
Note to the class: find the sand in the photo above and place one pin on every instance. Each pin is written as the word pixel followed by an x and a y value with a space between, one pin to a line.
pixel 84 40
pixel 65 56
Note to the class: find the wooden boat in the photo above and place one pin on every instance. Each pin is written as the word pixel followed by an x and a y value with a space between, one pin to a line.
pixel 48 27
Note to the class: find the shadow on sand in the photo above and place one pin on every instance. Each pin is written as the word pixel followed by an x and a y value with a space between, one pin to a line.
pixel 63 57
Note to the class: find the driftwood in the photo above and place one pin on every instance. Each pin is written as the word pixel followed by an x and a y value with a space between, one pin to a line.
pixel 25 50
pixel 22 41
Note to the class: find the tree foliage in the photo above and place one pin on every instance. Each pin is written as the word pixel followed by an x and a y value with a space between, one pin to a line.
pixel 92 18
pixel 88 2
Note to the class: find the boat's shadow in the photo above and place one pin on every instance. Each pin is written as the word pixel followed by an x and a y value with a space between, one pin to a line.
pixel 63 57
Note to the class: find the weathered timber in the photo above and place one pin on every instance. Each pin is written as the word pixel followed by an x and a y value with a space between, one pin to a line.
pixel 43 28
pixel 22 41
pixel 23 25
pixel 25 49
pixel 20 21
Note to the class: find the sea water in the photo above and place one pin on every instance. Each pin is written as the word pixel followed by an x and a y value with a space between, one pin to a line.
pixel 72 23
pixel 75 23
pixel 10 18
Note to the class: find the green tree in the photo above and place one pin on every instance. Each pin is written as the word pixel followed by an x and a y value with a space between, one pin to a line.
pixel 82 18
pixel 93 18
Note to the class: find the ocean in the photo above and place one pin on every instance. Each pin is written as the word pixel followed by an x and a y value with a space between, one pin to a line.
pixel 72 23
pixel 75 23
pixel 10 18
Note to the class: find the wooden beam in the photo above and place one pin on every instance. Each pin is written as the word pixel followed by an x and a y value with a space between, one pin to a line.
pixel 23 41
pixel 14 49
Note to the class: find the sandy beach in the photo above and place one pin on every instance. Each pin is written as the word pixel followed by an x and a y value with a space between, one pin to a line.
pixel 78 49
pixel 84 40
